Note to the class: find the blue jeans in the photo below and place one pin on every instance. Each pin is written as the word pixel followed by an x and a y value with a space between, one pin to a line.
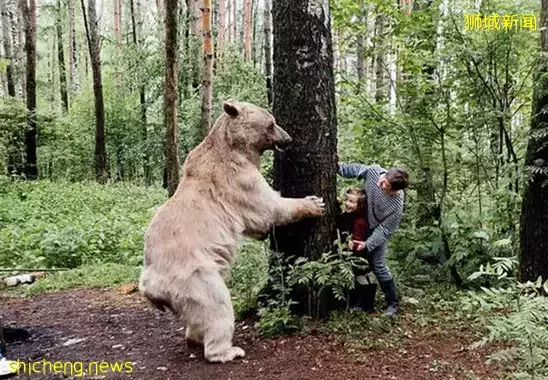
pixel 377 262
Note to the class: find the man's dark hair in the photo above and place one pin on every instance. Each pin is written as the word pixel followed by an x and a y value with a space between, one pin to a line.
pixel 398 178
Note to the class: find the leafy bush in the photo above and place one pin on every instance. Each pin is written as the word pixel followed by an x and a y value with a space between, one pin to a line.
pixel 332 271
pixel 248 276
pixel 46 224
pixel 275 316
pixel 520 318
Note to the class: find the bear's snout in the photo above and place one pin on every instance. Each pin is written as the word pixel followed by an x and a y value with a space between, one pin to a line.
pixel 282 137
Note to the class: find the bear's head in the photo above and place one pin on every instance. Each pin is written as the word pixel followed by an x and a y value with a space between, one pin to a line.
pixel 247 126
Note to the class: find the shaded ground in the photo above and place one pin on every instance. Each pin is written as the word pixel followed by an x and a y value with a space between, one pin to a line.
pixel 120 327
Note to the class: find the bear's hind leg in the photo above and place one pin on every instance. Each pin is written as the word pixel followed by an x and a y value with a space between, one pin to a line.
pixel 218 342
pixel 194 334
pixel 212 314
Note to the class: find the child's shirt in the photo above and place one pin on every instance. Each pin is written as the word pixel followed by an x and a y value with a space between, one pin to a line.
pixel 353 224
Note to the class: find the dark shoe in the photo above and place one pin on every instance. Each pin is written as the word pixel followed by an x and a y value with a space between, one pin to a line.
pixel 391 310
pixel 389 290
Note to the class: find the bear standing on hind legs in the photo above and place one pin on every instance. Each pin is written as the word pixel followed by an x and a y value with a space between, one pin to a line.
pixel 192 239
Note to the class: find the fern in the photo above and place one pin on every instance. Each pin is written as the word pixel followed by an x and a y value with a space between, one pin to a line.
pixel 525 326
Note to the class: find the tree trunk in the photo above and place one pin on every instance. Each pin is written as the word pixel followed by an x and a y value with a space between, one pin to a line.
pixel 254 22
pixel 7 48
pixel 247 29
pixel 73 78
pixel 171 96
pixel 160 9
pixel 360 46
pixel 17 26
pixel 142 99
pixel 92 33
pixel 228 21
pixel 52 70
pixel 61 59
pixel 29 15
pixel 304 105
pixel 208 68
pixel 534 212
pixel 118 79
pixel 268 48
pixel 118 22
pixel 195 40
pixel 380 59
pixel 235 22
pixel 222 27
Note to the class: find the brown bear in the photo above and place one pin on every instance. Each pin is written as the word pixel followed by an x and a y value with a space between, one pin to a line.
pixel 192 239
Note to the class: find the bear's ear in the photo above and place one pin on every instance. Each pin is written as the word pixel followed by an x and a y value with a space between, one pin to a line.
pixel 231 107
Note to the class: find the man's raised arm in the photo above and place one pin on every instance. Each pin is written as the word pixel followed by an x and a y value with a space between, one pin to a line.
pixel 353 170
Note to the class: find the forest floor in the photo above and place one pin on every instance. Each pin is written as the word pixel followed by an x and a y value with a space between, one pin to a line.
pixel 90 325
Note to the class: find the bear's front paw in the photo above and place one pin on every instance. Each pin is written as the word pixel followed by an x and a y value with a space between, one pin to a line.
pixel 315 205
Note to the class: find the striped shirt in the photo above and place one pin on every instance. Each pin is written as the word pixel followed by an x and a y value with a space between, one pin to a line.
pixel 384 212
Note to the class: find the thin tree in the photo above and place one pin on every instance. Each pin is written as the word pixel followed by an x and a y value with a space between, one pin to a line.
pixel 73 79
pixel 17 27
pixel 304 104
pixel 160 9
pixel 247 29
pixel 61 59
pixel 254 22
pixel 234 21
pixel 118 22
pixel 380 59
pixel 142 98
pixel 228 21
pixel 28 11
pixel 268 48
pixel 222 29
pixel 7 48
pixel 534 212
pixel 194 17
pixel 208 67
pixel 360 46
pixel 118 38
pixel 171 95
pixel 92 33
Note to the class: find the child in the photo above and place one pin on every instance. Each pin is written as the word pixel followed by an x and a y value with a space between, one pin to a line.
pixel 353 220
pixel 353 223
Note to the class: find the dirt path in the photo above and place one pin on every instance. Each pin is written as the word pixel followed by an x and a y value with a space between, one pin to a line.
pixel 119 327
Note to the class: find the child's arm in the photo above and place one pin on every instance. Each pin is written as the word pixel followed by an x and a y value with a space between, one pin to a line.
pixel 357 245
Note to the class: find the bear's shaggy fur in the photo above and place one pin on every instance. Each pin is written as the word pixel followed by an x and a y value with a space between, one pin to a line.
pixel 192 239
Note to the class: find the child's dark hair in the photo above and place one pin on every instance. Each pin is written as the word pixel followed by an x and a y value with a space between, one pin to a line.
pixel 360 194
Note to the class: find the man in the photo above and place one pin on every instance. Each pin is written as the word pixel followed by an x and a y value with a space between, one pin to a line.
pixel 385 200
